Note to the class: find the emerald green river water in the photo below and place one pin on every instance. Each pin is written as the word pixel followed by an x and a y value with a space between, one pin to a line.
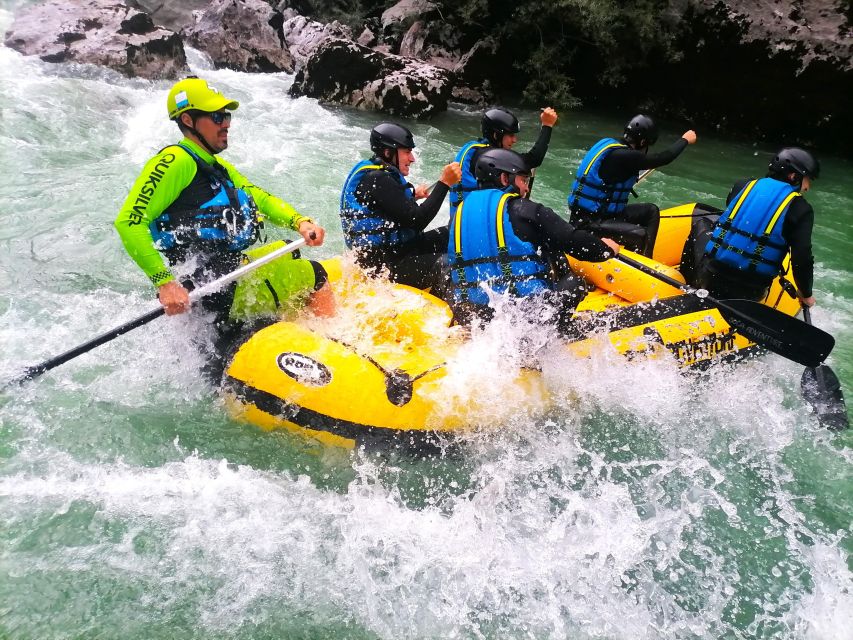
pixel 646 505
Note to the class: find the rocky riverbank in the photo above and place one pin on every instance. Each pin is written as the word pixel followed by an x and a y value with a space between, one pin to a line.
pixel 771 69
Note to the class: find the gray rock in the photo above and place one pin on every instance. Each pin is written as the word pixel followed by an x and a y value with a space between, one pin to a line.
pixel 433 41
pixel 477 65
pixel 171 14
pixel 815 31
pixel 469 96
pixel 412 44
pixel 366 38
pixel 343 72
pixel 245 35
pixel 102 32
pixel 405 12
pixel 302 36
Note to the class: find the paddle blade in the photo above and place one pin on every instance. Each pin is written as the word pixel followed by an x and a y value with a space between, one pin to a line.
pixel 777 332
pixel 822 390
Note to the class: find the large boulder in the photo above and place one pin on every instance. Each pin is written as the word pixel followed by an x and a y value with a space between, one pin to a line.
pixel 343 72
pixel 245 35
pixel 102 32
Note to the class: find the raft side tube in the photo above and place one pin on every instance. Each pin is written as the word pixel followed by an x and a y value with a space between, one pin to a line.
pixel 627 282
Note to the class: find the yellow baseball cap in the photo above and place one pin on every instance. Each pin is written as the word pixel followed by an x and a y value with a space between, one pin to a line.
pixel 195 93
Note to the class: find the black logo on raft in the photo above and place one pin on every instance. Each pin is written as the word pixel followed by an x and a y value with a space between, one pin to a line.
pixel 304 370
pixel 148 188
pixel 690 352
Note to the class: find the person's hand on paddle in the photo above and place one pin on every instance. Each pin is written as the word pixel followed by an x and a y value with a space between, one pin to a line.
pixel 690 136
pixel 174 298
pixel 808 302
pixel 548 117
pixel 313 233
pixel 451 174
pixel 421 191
pixel 613 245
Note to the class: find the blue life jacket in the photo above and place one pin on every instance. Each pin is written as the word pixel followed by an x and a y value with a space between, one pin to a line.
pixel 483 249
pixel 362 227
pixel 590 194
pixel 209 214
pixel 748 235
pixel 468 183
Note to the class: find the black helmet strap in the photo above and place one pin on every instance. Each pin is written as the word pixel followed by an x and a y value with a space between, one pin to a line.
pixel 197 134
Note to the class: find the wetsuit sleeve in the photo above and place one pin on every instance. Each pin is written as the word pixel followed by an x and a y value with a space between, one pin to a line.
pixel 535 223
pixel 621 164
pixel 536 155
pixel 162 180
pixel 274 209
pixel 797 231
pixel 383 194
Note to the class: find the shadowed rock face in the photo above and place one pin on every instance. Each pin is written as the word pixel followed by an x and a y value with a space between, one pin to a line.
pixel 344 72
pixel 776 70
pixel 245 35
pixel 817 30
pixel 102 32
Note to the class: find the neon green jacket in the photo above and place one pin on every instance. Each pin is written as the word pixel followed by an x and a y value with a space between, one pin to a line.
pixel 162 180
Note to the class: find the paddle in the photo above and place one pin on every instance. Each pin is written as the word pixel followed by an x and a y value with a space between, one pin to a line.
pixel 772 329
pixel 822 390
pixel 211 287
pixel 645 175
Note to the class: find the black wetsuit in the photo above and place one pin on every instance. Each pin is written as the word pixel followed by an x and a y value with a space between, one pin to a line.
pixel 723 281
pixel 535 223
pixel 620 165
pixel 533 158
pixel 412 262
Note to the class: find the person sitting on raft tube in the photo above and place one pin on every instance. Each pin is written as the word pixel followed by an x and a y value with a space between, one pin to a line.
pixel 197 212
pixel 380 216
pixel 502 241
pixel 763 220
pixel 500 131
pixel 606 177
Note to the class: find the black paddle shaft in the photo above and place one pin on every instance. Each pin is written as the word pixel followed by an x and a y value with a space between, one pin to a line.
pixel 768 327
pixel 210 287
pixel 47 365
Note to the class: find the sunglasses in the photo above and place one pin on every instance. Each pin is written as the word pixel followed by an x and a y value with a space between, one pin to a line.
pixel 219 117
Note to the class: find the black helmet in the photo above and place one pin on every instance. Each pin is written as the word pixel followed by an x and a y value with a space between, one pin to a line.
pixel 497 122
pixel 641 131
pixel 793 160
pixel 388 135
pixel 493 162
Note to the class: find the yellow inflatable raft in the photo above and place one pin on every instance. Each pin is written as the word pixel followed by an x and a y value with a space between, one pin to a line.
pixel 384 369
